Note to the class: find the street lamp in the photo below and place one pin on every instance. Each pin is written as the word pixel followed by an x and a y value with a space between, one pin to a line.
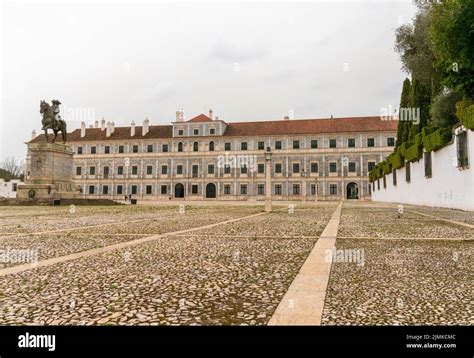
pixel 268 180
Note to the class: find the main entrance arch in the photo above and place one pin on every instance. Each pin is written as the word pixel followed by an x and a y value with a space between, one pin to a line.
pixel 179 191
pixel 210 191
pixel 352 191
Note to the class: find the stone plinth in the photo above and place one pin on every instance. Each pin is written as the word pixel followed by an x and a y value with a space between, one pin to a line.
pixel 49 172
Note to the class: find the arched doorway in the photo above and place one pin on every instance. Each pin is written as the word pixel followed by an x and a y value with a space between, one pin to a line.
pixel 352 191
pixel 210 191
pixel 179 191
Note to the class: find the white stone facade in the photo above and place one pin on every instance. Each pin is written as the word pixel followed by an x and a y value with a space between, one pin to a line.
pixel 8 189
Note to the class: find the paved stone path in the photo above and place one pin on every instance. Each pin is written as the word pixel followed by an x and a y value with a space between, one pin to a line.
pixel 304 301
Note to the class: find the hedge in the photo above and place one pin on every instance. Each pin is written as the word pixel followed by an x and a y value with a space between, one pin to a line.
pixel 386 167
pixel 414 153
pixel 468 117
pixel 396 160
pixel 376 172
pixel 437 140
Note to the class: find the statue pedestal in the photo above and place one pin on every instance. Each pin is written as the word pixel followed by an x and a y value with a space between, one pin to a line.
pixel 49 172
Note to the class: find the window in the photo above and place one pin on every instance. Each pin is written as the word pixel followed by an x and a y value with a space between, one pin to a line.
pixel 314 167
pixel 180 147
pixel 120 170
pixel 314 144
pixel 135 148
pixel 164 170
pixel 296 189
pixel 149 148
pixel 243 189
pixel 107 149
pixel 78 170
pixel 134 170
pixel 227 189
pixel 461 150
pixel 277 189
pixel 148 190
pixel 134 189
pixel 427 161
pixel 296 168
pixel 390 142
pixel 196 131
pixel 278 168
pixel 261 145
pixel 332 143
pixel 352 167
pixel 296 144
pixel 384 182
pixel 79 150
pixel 212 131
pixel 333 167
pixel 351 143
pixel 261 168
pixel 105 190
pixel 149 170
pixel 370 165
pixel 91 189
pixel 407 172
pixel 196 146
pixel 370 142
pixel 92 170
pixel 211 146
pixel 179 169
pixel 227 146
pixel 278 144
pixel 394 176
pixel 333 189
pixel 243 169
pixel 210 169
pixel 164 148
pixel 164 189
pixel 121 148
pixel 313 189
pixel 261 189
pixel 93 150
pixel 243 146
pixel 14 187
pixel 119 189
pixel 195 171
pixel 180 132
pixel 106 171
pixel 226 169
pixel 378 184
pixel 194 189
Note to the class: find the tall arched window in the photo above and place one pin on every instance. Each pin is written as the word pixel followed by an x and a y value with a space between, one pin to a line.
pixel 211 146
pixel 196 146
pixel 180 146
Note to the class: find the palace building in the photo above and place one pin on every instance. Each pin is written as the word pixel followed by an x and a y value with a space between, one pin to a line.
pixel 205 158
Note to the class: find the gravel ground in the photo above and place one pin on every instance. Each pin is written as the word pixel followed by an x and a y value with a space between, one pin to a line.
pixel 450 214
pixel 402 282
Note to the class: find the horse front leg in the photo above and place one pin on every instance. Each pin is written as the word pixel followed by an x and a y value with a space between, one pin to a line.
pixel 46 134
pixel 55 135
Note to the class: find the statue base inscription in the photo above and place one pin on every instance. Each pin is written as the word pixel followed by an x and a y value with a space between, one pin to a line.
pixel 49 173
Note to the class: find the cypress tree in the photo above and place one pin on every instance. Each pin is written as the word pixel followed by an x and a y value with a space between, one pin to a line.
pixel 402 133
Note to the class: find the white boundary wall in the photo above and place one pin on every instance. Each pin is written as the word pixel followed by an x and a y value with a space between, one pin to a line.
pixel 448 186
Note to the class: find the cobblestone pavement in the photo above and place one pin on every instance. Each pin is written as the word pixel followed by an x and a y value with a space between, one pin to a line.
pixel 402 282
pixel 371 220
pixel 450 214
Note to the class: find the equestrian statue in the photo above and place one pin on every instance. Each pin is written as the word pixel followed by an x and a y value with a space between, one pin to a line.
pixel 52 120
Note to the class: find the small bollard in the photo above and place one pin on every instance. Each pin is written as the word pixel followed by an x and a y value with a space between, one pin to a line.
pixel 400 211
pixel 291 209
pixel 182 209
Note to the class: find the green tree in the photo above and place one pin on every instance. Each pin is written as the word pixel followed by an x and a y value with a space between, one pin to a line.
pixel 452 39
pixel 402 129
pixel 443 109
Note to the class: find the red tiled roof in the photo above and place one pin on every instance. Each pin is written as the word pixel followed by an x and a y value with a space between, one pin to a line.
pixel 278 127
pixel 200 118
pixel 310 126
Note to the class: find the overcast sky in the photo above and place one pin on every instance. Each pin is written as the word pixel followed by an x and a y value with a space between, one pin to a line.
pixel 247 61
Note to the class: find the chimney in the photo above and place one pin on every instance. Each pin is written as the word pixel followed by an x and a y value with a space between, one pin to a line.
pixel 210 114
pixel 96 124
pixel 217 118
pixel 108 130
pixel 146 126
pixel 33 134
pixel 287 118
pixel 83 129
pixel 112 127
pixel 102 124
pixel 132 128
pixel 181 115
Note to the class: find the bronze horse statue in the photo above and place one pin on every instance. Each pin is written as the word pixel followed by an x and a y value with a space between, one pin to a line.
pixel 52 120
